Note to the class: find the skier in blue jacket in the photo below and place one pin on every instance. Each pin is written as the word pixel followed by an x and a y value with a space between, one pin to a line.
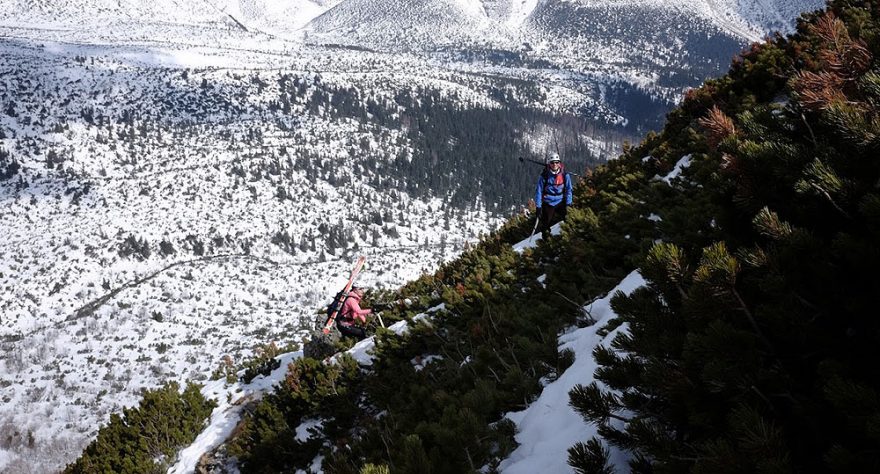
pixel 552 194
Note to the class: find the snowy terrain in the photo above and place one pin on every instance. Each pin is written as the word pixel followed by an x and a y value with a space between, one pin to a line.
pixel 545 430
pixel 181 193
pixel 599 56
pixel 144 238
pixel 231 396
pixel 453 20
pixel 549 426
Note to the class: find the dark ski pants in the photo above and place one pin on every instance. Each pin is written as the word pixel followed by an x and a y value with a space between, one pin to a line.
pixel 352 331
pixel 551 215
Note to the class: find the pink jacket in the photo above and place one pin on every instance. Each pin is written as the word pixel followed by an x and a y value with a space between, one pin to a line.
pixel 351 310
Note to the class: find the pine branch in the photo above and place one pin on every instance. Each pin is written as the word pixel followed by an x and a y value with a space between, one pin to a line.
pixel 810 129
pixel 590 458
pixel 830 200
pixel 769 224
pixel 718 126
pixel 494 374
pixel 488 312
pixel 817 91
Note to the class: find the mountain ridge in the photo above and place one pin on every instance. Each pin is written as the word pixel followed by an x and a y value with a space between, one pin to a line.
pixel 129 143
pixel 747 19
pixel 741 243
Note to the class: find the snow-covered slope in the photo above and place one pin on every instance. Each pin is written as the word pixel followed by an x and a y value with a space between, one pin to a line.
pixel 227 23
pixel 409 23
pixel 507 23
pixel 181 166
pixel 284 15
pixel 378 21
pixel 163 218
pixel 550 426
pixel 749 19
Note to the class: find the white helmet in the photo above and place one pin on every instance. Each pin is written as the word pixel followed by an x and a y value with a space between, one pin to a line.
pixel 554 158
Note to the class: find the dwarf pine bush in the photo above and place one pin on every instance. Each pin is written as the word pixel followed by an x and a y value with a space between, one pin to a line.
pixel 145 439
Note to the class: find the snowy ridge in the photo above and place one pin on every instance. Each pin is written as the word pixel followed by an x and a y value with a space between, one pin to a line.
pixel 150 122
pixel 549 426
pixel 232 398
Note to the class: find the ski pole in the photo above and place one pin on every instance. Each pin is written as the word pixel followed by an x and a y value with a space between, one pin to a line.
pixel 380 319
pixel 532 161
pixel 537 219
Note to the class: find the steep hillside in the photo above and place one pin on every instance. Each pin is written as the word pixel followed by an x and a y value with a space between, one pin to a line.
pixel 751 347
pixel 747 346
pixel 187 181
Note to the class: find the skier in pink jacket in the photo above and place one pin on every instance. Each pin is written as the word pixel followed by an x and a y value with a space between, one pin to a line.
pixel 352 313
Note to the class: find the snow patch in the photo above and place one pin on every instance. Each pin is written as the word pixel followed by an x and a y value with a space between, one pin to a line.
pixel 683 163
pixel 231 400
pixel 532 241
pixel 5 458
pixel 549 426
pixel 520 12
pixel 302 431
pixel 420 363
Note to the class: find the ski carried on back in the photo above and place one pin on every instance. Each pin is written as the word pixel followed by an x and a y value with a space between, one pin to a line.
pixel 340 298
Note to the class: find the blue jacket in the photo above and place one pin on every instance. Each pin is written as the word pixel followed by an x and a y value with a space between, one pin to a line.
pixel 547 191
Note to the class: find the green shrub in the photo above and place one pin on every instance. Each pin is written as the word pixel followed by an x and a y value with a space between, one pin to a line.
pixel 146 438
pixel 752 347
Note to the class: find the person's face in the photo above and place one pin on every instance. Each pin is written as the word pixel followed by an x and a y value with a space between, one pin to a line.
pixel 554 165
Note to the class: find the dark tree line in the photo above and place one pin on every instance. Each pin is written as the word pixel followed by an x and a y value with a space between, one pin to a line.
pixel 465 153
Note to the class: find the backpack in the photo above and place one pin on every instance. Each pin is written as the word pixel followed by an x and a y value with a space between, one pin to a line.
pixel 336 305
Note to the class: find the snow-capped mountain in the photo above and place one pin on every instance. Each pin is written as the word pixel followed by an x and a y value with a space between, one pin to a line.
pixel 623 62
pixel 408 24
pixel 453 19
pixel 184 180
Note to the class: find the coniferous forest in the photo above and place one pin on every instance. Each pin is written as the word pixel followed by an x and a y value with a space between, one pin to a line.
pixel 753 347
